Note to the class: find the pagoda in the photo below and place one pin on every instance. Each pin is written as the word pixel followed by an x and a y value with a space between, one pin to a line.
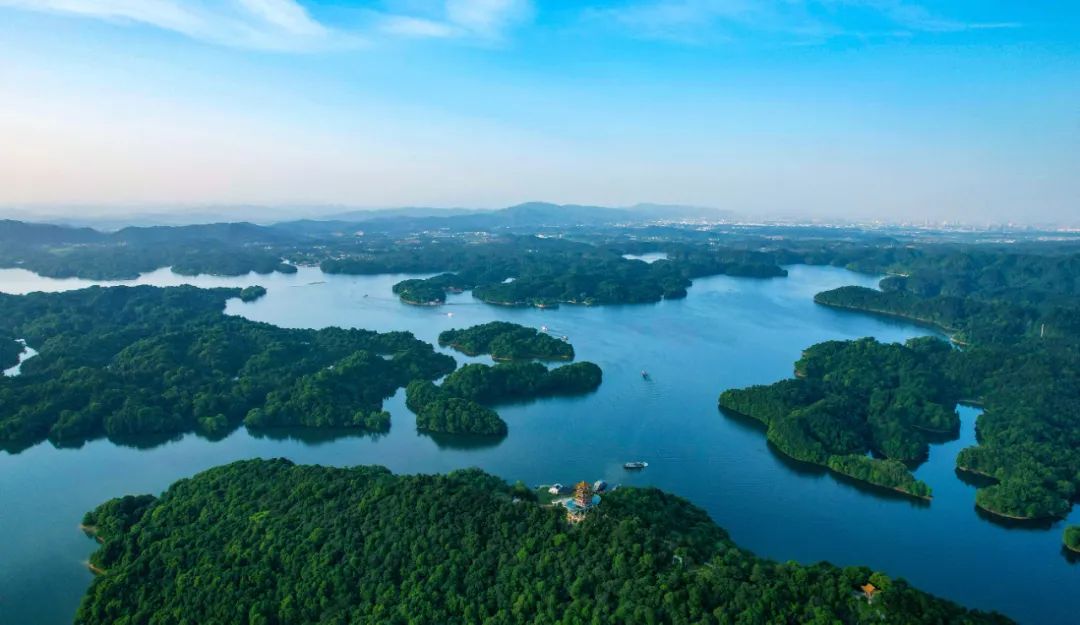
pixel 584 500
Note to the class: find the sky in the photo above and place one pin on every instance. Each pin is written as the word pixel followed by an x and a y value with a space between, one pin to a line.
pixel 865 109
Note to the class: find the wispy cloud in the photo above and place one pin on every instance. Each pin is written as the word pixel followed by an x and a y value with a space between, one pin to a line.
pixel 286 25
pixel 705 21
pixel 262 24
pixel 487 20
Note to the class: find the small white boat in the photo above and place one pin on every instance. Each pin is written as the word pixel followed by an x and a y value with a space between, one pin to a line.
pixel 635 465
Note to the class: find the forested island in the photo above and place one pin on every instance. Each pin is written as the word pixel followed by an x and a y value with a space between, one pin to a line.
pixel 507 341
pixel 1017 318
pixel 1071 538
pixel 851 398
pixel 275 542
pixel 459 405
pixel 545 272
pixel 129 361
pixel 219 249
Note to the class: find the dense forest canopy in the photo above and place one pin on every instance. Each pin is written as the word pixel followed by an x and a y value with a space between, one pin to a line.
pixel 219 249
pixel 535 271
pixel 264 542
pixel 507 341
pixel 10 349
pixel 1071 537
pixel 459 405
pixel 850 398
pixel 1017 317
pixel 143 360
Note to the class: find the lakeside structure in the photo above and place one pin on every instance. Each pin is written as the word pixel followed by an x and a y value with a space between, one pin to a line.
pixel 583 501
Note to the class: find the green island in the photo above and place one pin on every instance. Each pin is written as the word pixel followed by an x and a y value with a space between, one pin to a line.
pixel 252 293
pixel 131 361
pixel 533 271
pixel 1071 538
pixel 439 412
pixel 459 405
pixel 277 543
pixel 220 249
pixel 507 341
pixel 1016 318
pixel 851 398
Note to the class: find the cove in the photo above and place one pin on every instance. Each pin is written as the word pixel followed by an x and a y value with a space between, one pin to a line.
pixel 728 332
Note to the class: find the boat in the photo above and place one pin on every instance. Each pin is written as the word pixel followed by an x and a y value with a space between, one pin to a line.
pixel 635 465
pixel 543 328
pixel 645 375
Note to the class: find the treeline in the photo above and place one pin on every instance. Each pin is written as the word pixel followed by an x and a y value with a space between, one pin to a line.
pixel 1071 537
pixel 133 361
pixel 219 249
pixel 545 272
pixel 459 405
pixel 252 293
pixel 852 398
pixel 1017 317
pixel 10 349
pixel 507 341
pixel 275 543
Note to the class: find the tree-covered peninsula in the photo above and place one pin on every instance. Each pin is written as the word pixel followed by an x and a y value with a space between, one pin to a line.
pixel 460 404
pixel 507 341
pixel 128 361
pixel 277 543
pixel 851 398
pixel 252 293
pixel 1017 317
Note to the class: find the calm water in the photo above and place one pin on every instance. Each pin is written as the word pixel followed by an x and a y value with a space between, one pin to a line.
pixel 728 332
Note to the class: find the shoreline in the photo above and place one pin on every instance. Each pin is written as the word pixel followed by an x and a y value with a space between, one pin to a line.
pixel 826 466
pixel 947 331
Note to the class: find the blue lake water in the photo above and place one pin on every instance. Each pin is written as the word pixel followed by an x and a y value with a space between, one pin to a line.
pixel 729 332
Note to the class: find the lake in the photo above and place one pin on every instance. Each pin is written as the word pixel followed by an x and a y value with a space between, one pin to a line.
pixel 729 332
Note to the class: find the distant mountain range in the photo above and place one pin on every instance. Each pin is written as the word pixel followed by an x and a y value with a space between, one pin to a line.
pixel 530 214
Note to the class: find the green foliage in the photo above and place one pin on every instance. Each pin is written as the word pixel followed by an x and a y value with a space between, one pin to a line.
pixel 252 293
pixel 544 272
pixel 10 349
pixel 887 473
pixel 521 380
pixel 507 341
pixel 853 397
pixel 270 542
pixel 458 405
pixel 1071 537
pixel 453 415
pixel 1018 319
pixel 133 361
pixel 219 249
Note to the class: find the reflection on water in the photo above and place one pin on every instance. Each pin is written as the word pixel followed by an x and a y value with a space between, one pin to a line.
pixel 729 332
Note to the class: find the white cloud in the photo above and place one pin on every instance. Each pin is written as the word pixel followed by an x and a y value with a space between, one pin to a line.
pixel 487 20
pixel 700 21
pixel 263 24
pixel 287 25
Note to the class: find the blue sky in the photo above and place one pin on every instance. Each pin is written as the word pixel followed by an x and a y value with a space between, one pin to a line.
pixel 853 108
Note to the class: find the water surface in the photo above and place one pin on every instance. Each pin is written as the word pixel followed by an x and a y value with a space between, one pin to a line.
pixel 728 332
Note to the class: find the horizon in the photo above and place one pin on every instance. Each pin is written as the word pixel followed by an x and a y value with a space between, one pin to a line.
pixel 856 110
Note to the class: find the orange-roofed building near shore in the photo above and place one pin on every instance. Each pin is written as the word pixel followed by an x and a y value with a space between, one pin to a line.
pixel 869 590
